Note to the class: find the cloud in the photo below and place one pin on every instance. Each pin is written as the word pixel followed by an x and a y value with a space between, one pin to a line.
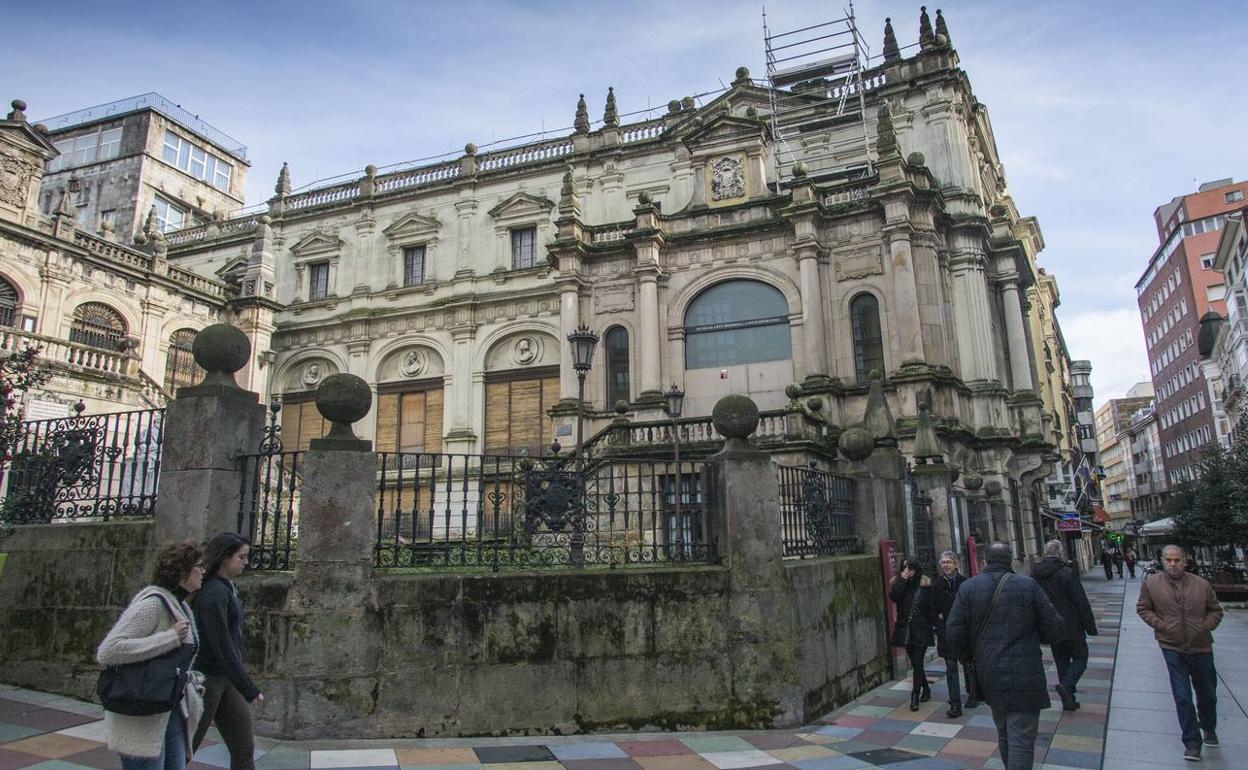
pixel 1114 341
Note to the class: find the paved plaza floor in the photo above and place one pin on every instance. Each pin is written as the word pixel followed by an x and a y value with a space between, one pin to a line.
pixel 1127 721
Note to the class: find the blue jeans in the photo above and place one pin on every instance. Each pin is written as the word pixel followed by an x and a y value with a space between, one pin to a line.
pixel 1016 737
pixel 1071 657
pixel 1190 670
pixel 951 679
pixel 172 756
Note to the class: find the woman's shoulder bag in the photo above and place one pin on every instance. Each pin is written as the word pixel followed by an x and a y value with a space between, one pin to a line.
pixel 152 686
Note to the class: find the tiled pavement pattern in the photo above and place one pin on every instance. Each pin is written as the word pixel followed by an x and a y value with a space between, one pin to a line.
pixel 46 732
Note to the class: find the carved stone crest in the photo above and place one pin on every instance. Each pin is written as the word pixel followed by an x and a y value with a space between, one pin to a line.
pixel 15 177
pixel 413 363
pixel 727 179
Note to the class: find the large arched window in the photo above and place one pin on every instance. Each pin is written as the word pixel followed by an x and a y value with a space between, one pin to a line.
pixel 97 325
pixel 864 319
pixel 737 322
pixel 180 368
pixel 616 346
pixel 8 303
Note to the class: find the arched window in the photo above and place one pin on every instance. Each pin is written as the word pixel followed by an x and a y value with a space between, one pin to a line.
pixel 180 367
pixel 97 325
pixel 8 303
pixel 737 322
pixel 864 319
pixel 616 343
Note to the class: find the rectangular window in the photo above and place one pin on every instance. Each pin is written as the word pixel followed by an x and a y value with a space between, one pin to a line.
pixel 413 265
pixel 1234 195
pixel 523 252
pixel 410 422
pixel 515 412
pixel 318 280
pixel 301 421
pixel 169 216
pixel 1206 261
pixel 196 161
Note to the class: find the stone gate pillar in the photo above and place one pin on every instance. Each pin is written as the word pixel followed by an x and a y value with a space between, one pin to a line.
pixel 206 427
pixel 762 618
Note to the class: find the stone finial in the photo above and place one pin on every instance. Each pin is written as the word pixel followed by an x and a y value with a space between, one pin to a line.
pixel 581 124
pixel 470 150
pixel 926 447
pixel 941 27
pixel 220 350
pixel 107 231
pixel 19 110
pixel 878 420
pixel 149 223
pixel 64 207
pixel 610 116
pixel 643 198
pixel 926 37
pixel 283 180
pixel 885 137
pixel 159 248
pixel 688 103
pixel 568 202
pixel 736 418
pixel 343 399
pixel 673 106
pixel 743 77
pixel 892 52
pixel 856 443
pixel 799 170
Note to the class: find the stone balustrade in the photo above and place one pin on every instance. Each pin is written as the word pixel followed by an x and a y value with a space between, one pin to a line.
pixel 85 357
pixel 641 132
pixel 523 155
pixel 417 177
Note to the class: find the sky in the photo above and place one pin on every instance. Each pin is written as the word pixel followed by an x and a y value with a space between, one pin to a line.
pixel 1102 110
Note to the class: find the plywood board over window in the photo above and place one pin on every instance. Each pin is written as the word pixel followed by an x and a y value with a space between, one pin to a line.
pixel 516 403
pixel 301 421
pixel 409 416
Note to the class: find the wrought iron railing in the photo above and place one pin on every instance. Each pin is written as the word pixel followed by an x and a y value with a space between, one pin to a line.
pixel 817 516
pixel 493 512
pixel 269 494
pixel 85 467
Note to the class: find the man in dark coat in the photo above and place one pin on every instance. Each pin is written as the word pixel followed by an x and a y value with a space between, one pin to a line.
pixel 1062 586
pixel 1006 649
pixel 945 589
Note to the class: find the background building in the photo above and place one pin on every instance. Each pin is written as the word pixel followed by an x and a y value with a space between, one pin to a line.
pixel 1148 488
pixel 1225 353
pixel 1177 289
pixel 1113 420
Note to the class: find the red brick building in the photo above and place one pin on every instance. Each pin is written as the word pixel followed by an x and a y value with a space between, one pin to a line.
pixel 1179 286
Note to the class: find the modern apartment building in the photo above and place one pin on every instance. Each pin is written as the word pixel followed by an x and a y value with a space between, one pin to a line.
pixel 1179 286
pixel 1113 420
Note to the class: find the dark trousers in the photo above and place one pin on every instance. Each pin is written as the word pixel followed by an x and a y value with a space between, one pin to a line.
pixel 1188 671
pixel 951 679
pixel 1071 657
pixel 919 676
pixel 1016 737
pixel 1109 569
pixel 1131 568
pixel 225 707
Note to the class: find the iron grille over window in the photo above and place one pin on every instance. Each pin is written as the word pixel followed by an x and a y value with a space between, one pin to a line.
pixel 617 365
pixel 180 368
pixel 864 316
pixel 413 265
pixel 522 248
pixel 97 325
pixel 318 286
pixel 737 322
pixel 8 303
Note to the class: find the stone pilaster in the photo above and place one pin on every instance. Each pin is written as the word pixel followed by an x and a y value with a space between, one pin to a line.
pixel 1016 337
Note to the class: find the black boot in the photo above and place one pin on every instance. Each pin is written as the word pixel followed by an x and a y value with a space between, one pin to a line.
pixel 914 700
pixel 926 693
pixel 1068 700
pixel 955 710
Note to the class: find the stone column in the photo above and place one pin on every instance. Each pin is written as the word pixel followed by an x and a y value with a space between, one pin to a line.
pixel 762 618
pixel 459 434
pixel 569 319
pixel 207 426
pixel 813 324
pixel 1016 338
pixel 972 318
pixel 648 353
pixel 905 325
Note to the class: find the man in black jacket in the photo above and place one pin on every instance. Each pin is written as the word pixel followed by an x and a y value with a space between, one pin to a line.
pixel 999 620
pixel 945 589
pixel 1062 586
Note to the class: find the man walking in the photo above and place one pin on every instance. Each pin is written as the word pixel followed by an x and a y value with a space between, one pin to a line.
pixel 1183 611
pixel 998 621
pixel 1107 562
pixel 1062 586
pixel 947 584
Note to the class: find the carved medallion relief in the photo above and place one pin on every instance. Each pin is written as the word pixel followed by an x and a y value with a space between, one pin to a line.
pixel 727 179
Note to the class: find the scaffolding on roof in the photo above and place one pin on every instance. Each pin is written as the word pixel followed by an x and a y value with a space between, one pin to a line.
pixel 818 103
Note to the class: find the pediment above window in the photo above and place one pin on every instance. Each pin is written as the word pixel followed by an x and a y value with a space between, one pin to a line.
pixel 413 228
pixel 317 245
pixel 726 131
pixel 522 207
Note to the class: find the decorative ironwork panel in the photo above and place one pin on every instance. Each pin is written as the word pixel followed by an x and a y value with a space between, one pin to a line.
pixel 85 467
pixel 268 514
pixel 922 530
pixel 817 512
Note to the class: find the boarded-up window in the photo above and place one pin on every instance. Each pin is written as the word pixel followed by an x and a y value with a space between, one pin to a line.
pixel 301 422
pixel 516 403
pixel 409 417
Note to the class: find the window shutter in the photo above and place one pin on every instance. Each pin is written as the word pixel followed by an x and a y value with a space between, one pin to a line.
pixel 550 397
pixel 526 415
pixel 497 416
pixel 290 425
pixel 433 421
pixel 311 424
pixel 387 422
pixel 412 422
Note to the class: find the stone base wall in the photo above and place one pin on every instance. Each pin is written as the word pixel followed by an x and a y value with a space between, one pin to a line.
pixel 61 589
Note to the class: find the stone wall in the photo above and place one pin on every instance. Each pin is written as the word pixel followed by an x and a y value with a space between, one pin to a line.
pixel 61 588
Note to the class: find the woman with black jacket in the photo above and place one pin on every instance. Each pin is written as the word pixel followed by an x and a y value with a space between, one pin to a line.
pixel 911 591
pixel 219 615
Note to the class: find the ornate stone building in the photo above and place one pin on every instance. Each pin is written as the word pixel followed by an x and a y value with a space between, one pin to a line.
pixel 452 287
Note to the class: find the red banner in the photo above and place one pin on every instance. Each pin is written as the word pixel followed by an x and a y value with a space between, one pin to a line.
pixel 972 557
pixel 888 566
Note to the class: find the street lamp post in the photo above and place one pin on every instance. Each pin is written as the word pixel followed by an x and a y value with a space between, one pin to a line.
pixel 675 403
pixel 583 341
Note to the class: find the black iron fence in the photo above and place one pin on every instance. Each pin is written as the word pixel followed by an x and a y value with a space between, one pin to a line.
pixel 85 467
pixel 496 512
pixel 268 512
pixel 817 515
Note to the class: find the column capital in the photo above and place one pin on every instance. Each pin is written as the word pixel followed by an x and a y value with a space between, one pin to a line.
pixel 464 331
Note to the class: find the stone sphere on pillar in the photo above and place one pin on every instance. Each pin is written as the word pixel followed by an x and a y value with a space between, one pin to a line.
pixel 343 398
pixel 856 444
pixel 972 481
pixel 221 350
pixel 735 416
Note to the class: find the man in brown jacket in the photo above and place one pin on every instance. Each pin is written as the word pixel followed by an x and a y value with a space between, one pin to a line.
pixel 1183 611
